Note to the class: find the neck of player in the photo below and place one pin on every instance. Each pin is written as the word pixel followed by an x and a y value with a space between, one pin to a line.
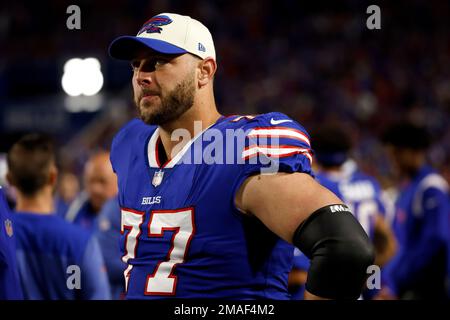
pixel 39 203
pixel 202 115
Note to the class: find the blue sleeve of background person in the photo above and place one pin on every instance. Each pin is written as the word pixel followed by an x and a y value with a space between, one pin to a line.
pixel 435 234
pixel 387 276
pixel 94 283
pixel 378 197
pixel 329 184
pixel 60 206
pixel 109 237
pixel 301 262
pixel 9 277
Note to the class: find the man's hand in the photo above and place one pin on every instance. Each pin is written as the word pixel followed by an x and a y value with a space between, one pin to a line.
pixel 310 296
pixel 385 294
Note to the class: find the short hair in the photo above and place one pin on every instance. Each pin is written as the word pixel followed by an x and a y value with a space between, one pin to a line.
pixel 331 144
pixel 29 161
pixel 406 135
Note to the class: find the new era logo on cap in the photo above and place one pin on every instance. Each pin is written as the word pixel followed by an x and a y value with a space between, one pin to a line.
pixel 168 33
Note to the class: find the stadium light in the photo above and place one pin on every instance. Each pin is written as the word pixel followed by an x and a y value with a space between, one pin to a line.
pixel 82 77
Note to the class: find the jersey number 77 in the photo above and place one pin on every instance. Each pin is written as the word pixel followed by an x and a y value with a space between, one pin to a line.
pixel 162 281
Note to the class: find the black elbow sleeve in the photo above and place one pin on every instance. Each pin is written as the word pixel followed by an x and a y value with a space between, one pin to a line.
pixel 340 252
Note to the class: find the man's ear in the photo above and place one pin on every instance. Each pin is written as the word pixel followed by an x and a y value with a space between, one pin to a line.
pixel 9 178
pixel 208 68
pixel 53 175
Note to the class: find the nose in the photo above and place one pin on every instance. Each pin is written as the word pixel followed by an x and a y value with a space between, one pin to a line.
pixel 143 77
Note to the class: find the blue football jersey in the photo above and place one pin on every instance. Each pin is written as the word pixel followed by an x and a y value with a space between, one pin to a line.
pixel 302 263
pixel 182 235
pixel 423 231
pixel 80 212
pixel 361 192
pixel 50 251
pixel 9 276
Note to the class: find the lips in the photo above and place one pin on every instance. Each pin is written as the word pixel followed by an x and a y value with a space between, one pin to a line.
pixel 148 98
pixel 148 94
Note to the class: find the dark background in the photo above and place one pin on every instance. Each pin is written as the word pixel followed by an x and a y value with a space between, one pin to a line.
pixel 313 60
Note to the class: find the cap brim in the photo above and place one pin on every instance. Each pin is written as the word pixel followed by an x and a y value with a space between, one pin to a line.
pixel 128 47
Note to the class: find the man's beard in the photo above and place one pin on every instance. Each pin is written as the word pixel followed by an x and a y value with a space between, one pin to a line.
pixel 172 105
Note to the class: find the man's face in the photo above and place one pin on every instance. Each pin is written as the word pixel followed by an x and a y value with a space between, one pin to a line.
pixel 402 160
pixel 68 187
pixel 99 180
pixel 164 86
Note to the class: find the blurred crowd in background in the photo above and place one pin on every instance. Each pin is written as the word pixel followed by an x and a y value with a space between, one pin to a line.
pixel 316 61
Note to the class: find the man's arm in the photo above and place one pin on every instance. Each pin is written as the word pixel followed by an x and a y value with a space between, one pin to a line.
pixel 431 238
pixel 384 241
pixel 297 209
pixel 282 201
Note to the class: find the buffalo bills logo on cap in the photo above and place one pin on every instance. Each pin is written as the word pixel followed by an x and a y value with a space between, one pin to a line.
pixel 154 24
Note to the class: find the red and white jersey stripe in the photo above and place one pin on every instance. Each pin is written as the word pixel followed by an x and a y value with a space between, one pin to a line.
pixel 279 132
pixel 275 151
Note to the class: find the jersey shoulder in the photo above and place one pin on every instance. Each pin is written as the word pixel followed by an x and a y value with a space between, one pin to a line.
pixel 51 234
pixel 273 128
pixel 4 208
pixel 271 119
pixel 6 228
pixel 431 192
pixel 272 138
pixel 125 141
pixel 129 132
pixel 433 181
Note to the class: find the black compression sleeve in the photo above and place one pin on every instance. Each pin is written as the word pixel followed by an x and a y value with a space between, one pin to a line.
pixel 340 252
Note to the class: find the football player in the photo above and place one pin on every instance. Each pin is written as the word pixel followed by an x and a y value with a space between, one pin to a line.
pixel 206 213
pixel 57 260
pixel 9 278
pixel 100 185
pixel 419 270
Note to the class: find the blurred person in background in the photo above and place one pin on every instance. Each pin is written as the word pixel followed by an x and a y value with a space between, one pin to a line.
pixel 46 244
pixel 339 173
pixel 361 192
pixel 108 235
pixel 100 185
pixel 421 224
pixel 67 188
pixel 298 275
pixel 9 278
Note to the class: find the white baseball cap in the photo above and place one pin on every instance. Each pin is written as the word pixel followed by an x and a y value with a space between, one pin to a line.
pixel 167 33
